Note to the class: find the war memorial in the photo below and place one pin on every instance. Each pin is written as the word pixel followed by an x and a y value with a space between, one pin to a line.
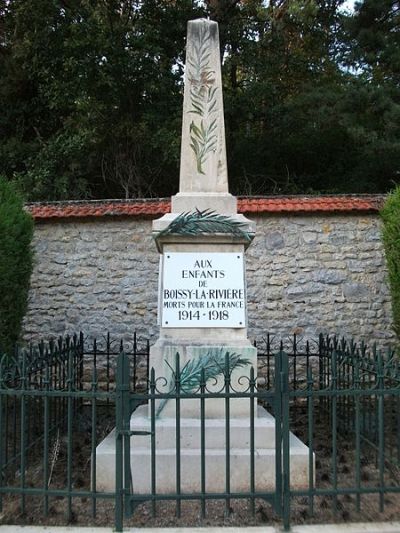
pixel 202 316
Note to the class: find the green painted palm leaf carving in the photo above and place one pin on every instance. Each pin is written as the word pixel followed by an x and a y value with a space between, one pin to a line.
pixel 213 365
pixel 203 141
pixel 210 366
pixel 203 96
pixel 206 221
pixel 200 73
pixel 203 99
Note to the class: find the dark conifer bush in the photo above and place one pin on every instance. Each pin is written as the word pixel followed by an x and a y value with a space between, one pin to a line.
pixel 391 238
pixel 16 259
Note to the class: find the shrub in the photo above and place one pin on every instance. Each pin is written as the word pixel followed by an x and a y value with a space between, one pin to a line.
pixel 391 239
pixel 16 260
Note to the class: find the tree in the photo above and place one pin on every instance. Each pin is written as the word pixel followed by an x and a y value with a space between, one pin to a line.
pixel 94 82
pixel 286 76
pixel 16 258
pixel 391 239
pixel 376 39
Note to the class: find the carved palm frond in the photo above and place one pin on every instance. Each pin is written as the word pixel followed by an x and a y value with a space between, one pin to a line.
pixel 197 102
pixel 209 366
pixel 201 52
pixel 203 99
pixel 213 364
pixel 203 141
pixel 206 221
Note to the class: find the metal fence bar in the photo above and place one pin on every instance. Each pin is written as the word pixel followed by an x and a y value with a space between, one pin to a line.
pixel 93 481
pixel 134 360
pixel 357 422
pixel 69 433
pixel 119 460
pixel 203 443
pixel 128 486
pixel 278 434
pixel 46 442
pixel 334 400
pixel 310 427
pixel 178 433
pixel 153 442
pixel 252 384
pixel 285 441
pixel 23 434
pixel 227 437
pixel 381 434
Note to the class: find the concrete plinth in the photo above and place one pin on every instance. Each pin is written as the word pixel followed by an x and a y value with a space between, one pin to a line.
pixel 215 455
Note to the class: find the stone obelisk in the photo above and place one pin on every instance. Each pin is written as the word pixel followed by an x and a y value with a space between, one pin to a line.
pixel 203 180
pixel 201 311
pixel 211 312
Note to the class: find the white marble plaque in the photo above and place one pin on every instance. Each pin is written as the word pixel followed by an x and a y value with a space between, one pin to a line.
pixel 203 290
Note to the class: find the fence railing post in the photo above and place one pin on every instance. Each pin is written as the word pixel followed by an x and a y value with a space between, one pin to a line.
pixel 282 445
pixel 285 441
pixel 126 415
pixel 278 434
pixel 121 391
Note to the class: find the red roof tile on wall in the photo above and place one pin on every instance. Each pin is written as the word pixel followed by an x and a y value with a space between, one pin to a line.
pixel 103 208
pixel 310 204
pixel 157 207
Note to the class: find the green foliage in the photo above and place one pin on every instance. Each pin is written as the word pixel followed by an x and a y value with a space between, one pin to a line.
pixel 375 33
pixel 302 115
pixel 91 96
pixel 391 239
pixel 16 231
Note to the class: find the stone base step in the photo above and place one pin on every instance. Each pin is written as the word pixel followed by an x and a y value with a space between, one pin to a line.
pixel 190 429
pixel 190 457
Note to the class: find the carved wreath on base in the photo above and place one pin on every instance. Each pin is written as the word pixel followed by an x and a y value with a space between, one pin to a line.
pixel 207 221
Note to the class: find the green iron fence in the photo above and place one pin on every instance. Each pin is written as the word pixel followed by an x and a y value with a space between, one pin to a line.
pixel 27 420
pixel 57 402
pixel 359 391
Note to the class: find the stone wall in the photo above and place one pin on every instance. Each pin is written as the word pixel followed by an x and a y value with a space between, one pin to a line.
pixel 305 274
